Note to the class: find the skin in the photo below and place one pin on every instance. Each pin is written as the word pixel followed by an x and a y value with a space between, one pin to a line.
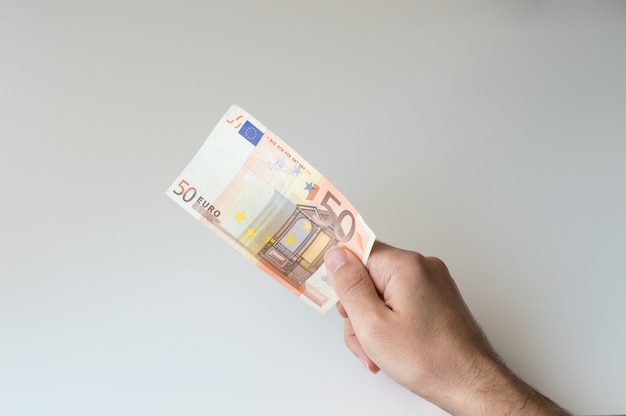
pixel 403 314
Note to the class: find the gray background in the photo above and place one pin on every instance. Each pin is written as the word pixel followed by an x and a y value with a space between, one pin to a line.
pixel 491 136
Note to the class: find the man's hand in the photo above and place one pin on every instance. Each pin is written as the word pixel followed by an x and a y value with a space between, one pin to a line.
pixel 404 314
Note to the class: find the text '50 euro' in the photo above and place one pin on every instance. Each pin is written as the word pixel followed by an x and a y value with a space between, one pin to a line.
pixel 258 194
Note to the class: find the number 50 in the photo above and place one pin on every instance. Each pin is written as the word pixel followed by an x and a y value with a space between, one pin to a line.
pixel 336 222
pixel 187 194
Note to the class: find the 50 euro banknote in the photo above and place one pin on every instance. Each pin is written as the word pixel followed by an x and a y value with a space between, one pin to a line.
pixel 260 196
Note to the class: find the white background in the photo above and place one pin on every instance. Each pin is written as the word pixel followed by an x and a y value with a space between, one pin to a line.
pixel 490 136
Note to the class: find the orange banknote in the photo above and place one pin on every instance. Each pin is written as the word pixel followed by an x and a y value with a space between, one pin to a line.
pixel 259 195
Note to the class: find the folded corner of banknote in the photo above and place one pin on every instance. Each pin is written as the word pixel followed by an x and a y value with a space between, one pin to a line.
pixel 264 199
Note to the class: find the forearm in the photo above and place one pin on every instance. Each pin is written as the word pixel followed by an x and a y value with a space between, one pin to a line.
pixel 497 391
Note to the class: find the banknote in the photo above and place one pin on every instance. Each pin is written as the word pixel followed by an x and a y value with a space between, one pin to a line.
pixel 260 196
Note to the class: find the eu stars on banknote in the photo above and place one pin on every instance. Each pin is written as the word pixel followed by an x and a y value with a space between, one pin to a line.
pixel 260 196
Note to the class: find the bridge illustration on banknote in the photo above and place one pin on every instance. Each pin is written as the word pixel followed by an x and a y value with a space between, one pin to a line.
pixel 299 260
pixel 295 238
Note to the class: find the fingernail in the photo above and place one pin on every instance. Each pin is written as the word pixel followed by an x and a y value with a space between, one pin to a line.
pixel 366 364
pixel 335 258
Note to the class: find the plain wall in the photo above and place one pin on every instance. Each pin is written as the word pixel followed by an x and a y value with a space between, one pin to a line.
pixel 489 135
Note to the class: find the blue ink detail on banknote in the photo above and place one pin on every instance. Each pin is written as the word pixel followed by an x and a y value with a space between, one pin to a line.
pixel 251 133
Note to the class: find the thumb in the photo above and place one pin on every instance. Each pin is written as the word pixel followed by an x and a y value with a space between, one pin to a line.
pixel 352 283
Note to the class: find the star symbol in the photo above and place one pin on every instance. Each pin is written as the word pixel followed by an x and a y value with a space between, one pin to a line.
pixel 290 239
pixel 307 226
pixel 251 233
pixel 267 238
pixel 240 216
pixel 280 162
pixel 297 170
pixel 313 190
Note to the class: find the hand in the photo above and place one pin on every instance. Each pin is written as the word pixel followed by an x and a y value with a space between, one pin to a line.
pixel 405 315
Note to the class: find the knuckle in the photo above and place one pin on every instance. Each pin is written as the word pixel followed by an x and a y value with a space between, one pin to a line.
pixel 417 260
pixel 428 262
pixel 437 263
pixel 427 266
